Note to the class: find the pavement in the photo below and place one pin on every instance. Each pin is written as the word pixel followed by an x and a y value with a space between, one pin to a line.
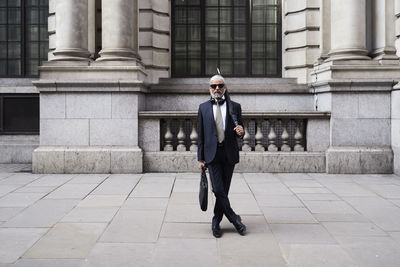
pixel 153 219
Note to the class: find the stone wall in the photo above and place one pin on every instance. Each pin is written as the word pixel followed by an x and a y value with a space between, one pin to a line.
pixel 396 128
pixel 301 38
pixel 154 38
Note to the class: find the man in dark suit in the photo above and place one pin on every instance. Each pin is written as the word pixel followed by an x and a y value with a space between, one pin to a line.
pixel 219 123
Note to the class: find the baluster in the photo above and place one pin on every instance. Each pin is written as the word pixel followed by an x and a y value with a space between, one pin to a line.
pixel 298 136
pixel 259 136
pixel 168 137
pixel 181 137
pixel 246 137
pixel 272 137
pixel 285 136
pixel 193 136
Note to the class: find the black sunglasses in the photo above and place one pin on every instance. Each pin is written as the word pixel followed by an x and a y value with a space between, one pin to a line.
pixel 214 86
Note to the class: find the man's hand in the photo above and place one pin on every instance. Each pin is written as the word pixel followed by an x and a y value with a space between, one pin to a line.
pixel 202 165
pixel 239 130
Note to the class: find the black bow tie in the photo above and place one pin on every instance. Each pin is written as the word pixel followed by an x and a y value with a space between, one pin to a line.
pixel 220 101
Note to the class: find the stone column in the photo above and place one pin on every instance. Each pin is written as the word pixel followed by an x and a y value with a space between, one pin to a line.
pixel 348 30
pixel 383 30
pixel 119 30
pixel 397 26
pixel 325 29
pixel 71 30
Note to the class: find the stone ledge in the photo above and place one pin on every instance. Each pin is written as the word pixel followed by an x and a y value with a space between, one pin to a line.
pixel 359 160
pixel 85 159
pixel 249 162
pixel 245 114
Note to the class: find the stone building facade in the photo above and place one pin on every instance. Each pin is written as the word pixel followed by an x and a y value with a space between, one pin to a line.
pixel 317 80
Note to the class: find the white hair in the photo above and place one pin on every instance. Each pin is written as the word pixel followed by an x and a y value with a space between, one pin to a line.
pixel 217 76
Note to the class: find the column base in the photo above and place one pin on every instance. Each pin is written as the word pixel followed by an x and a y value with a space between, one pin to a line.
pixel 118 54
pixel 87 159
pixel 348 54
pixel 386 56
pixel 359 160
pixel 71 55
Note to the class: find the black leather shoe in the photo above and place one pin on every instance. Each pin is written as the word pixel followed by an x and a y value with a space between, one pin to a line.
pixel 216 230
pixel 240 227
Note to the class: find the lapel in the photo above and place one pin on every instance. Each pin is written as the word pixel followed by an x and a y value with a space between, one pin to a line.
pixel 226 117
pixel 210 116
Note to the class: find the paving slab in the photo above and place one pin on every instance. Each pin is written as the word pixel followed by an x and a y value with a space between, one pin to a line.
pixel 67 241
pixel 52 180
pixel 120 254
pixel 260 178
pixel 188 213
pixel 326 196
pixel 269 189
pixel 5 175
pixel 340 217
pixel 186 185
pixel 117 184
pixel 7 213
pixel 180 252
pixel 333 206
pixel 44 213
pixel 310 190
pixel 353 229
pixel 187 198
pixel 293 176
pixel 35 189
pixel 20 199
pixel 386 218
pixel 142 203
pixel 244 204
pixel 366 203
pixel 88 178
pixel 302 183
pixel 186 230
pixel 20 179
pixel 288 215
pixel 301 234
pixel 151 188
pixel 102 201
pixel 93 214
pixel 5 189
pixel 278 201
pixel 72 191
pixel 256 250
pixel 371 251
pixel 15 241
pixel 238 186
pixel 385 190
pixel 305 255
pixel 350 190
pixel 134 226
pixel 48 263
pixel 254 224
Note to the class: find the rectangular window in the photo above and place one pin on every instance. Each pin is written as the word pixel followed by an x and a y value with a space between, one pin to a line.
pixel 19 113
pixel 23 37
pixel 240 37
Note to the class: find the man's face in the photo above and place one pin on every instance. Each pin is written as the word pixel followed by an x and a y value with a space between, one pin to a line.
pixel 217 88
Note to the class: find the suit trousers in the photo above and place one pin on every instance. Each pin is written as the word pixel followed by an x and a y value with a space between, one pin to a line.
pixel 221 175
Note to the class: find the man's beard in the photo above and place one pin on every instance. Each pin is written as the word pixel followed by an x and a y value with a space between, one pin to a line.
pixel 217 95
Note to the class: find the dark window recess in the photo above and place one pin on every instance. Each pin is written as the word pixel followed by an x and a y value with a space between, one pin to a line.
pixel 19 114
pixel 240 37
pixel 24 41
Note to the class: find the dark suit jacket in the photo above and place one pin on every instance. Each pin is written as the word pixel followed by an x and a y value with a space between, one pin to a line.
pixel 207 132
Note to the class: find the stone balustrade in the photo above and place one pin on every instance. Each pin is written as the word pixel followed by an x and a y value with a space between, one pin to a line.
pixel 264 131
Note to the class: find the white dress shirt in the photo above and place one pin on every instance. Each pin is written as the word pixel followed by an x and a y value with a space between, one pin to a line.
pixel 223 112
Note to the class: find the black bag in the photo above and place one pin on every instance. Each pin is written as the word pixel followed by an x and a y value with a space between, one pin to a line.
pixel 203 193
